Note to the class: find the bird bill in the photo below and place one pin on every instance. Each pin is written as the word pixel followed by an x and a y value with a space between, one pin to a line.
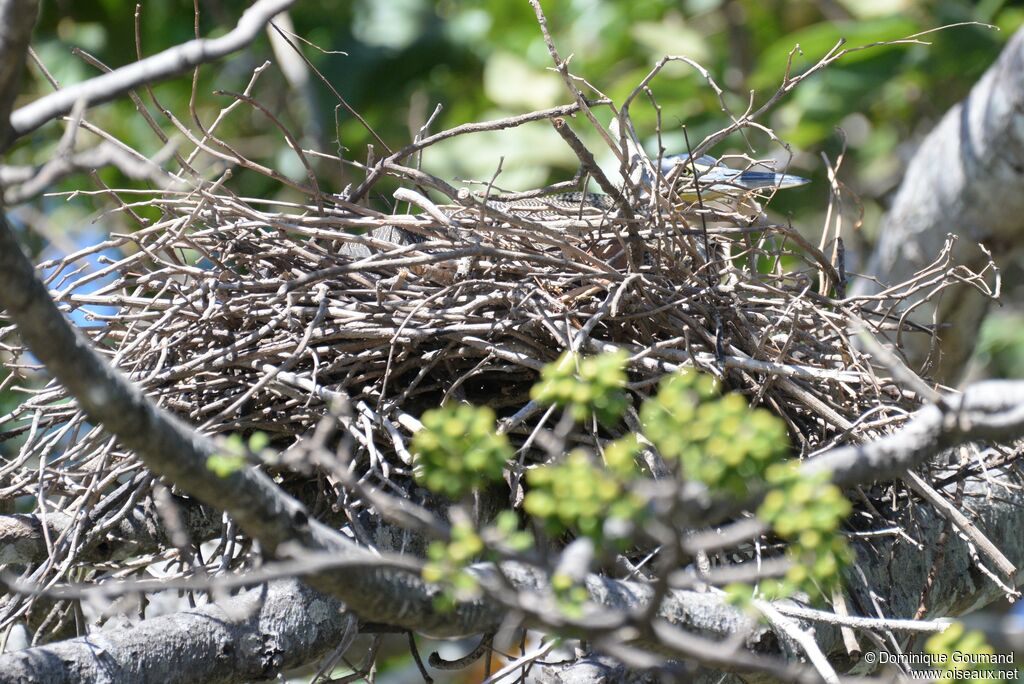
pixel 715 180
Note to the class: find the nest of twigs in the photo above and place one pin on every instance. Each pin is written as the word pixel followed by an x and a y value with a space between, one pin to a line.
pixel 242 316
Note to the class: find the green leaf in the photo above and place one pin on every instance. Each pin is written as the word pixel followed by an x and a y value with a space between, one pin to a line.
pixel 225 465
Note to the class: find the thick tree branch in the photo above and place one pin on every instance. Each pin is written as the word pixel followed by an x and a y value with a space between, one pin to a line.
pixel 986 411
pixel 989 411
pixel 253 636
pixel 17 18
pixel 158 67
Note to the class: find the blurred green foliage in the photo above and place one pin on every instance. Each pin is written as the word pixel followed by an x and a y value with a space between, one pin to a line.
pixel 719 441
pixel 395 61
pixel 588 386
pixel 733 449
pixel 235 453
pixel 579 495
pixel 447 562
pixel 458 450
pixel 807 512
pixel 1001 345
pixel 571 595
pixel 961 655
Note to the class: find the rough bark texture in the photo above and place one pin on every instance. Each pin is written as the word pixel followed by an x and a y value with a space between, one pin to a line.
pixel 17 19
pixel 254 636
pixel 959 585
pixel 602 670
pixel 593 670
pixel 141 531
pixel 967 179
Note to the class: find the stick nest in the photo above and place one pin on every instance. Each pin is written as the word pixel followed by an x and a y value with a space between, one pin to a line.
pixel 243 315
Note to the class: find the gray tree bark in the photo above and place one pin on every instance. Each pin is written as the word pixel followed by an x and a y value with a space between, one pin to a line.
pixel 967 178
pixel 252 636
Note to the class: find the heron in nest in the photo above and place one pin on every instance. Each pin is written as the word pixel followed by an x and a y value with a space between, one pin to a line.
pixel 714 179
pixel 703 177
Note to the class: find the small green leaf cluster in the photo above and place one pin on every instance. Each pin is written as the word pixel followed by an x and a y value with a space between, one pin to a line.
pixel 585 386
pixel 459 450
pixel 806 511
pixel 620 457
pixel 719 441
pixel 447 562
pixel 956 650
pixel 571 595
pixel 505 532
pixel 446 565
pixel 235 453
pixel 225 465
pixel 577 494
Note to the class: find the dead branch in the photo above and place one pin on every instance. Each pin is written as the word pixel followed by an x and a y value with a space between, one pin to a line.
pixel 255 636
pixel 163 65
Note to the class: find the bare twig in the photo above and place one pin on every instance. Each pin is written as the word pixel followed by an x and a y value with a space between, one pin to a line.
pixel 170 62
